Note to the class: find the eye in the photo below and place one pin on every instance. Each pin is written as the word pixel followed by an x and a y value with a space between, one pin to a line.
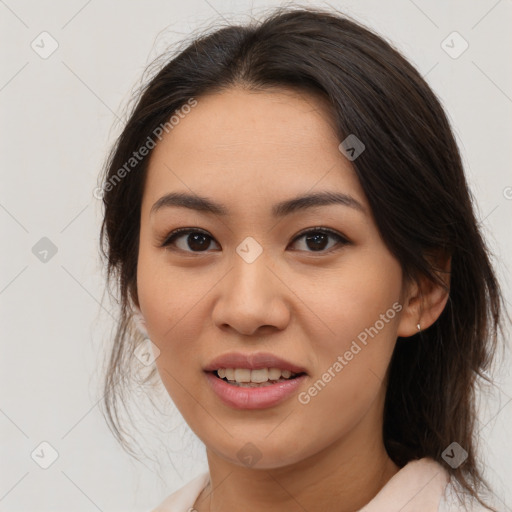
pixel 317 239
pixel 195 240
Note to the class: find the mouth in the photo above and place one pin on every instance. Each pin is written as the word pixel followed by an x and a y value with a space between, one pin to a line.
pixel 236 388
pixel 254 381
pixel 255 378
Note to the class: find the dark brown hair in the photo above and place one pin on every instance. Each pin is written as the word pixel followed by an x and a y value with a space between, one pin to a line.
pixel 410 171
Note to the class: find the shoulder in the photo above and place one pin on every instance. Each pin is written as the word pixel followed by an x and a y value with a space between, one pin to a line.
pixel 184 498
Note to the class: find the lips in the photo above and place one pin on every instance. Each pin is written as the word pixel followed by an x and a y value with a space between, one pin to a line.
pixel 253 398
pixel 252 395
pixel 253 361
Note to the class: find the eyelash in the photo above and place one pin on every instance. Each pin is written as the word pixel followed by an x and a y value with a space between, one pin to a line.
pixel 171 238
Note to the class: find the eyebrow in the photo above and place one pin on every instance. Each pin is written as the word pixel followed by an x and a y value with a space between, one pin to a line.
pixel 287 207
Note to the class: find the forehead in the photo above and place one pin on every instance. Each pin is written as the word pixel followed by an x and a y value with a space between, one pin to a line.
pixel 266 144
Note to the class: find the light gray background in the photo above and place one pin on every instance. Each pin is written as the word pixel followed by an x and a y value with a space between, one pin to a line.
pixel 57 122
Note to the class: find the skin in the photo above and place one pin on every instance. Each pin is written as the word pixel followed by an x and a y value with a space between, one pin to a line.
pixel 249 150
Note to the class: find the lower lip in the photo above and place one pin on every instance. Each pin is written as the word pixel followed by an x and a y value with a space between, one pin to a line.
pixel 253 398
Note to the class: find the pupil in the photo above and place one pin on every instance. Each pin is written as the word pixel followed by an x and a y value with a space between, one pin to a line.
pixel 316 239
pixel 197 241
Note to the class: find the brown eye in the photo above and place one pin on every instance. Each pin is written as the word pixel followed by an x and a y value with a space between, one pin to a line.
pixel 317 240
pixel 189 240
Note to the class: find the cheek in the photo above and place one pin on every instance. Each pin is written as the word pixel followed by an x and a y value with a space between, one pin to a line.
pixel 167 293
pixel 360 306
pixel 170 300
pixel 174 322
pixel 360 295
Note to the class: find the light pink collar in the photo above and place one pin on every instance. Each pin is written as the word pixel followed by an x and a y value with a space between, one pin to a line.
pixel 418 486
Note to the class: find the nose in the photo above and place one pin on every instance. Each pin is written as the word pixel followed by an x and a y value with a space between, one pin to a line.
pixel 252 299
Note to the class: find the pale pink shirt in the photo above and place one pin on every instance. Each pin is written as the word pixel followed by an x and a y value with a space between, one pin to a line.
pixel 420 486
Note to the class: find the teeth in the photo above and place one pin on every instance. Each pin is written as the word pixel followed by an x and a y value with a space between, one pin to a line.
pixel 274 373
pixel 242 375
pixel 260 376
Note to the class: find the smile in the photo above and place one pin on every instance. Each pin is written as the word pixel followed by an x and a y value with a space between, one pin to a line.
pixel 247 394
pixel 246 377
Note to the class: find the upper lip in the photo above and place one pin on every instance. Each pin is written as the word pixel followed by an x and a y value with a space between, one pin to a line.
pixel 252 361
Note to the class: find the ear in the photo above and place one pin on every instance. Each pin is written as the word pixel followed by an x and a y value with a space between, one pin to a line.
pixel 424 300
pixel 139 321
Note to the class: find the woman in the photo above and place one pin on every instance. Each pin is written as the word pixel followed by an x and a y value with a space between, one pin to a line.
pixel 288 222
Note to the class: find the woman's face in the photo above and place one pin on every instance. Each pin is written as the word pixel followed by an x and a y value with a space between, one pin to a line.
pixel 252 282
